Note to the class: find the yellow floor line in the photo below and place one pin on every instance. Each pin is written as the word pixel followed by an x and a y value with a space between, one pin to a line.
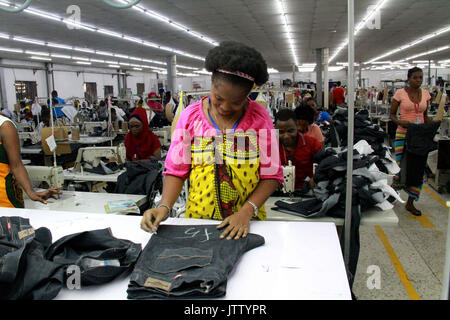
pixel 397 265
pixel 423 220
pixel 435 197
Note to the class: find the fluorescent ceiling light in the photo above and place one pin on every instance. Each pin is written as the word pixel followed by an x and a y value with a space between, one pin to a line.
pixel 41 43
pixel 42 14
pixel 124 64
pixel 282 11
pixel 272 70
pixel 98 61
pixel 171 22
pixel 59 46
pixel 135 58
pixel 359 26
pixel 11 50
pixel 84 62
pixel 305 69
pixel 104 53
pixel 335 68
pixel 41 58
pixel 54 55
pixel 80 58
pixel 110 33
pixel 121 56
pixel 115 34
pixel 138 69
pixel 114 66
pixel 186 67
pixel 4 36
pixel 426 53
pixel 112 62
pixel 84 50
pixel 38 53
pixel 413 43
pixel 421 61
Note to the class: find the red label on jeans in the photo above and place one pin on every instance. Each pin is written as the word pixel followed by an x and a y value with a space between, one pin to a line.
pixel 9 225
pixel 177 276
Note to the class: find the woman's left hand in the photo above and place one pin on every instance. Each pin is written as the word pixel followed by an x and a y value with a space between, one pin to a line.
pixel 238 225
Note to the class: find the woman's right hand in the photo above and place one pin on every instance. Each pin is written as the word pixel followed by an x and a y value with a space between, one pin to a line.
pixel 153 217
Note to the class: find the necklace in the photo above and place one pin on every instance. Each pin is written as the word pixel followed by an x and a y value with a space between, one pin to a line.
pixel 216 122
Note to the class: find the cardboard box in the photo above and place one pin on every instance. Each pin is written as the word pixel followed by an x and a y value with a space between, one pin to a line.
pixel 62 148
pixel 76 134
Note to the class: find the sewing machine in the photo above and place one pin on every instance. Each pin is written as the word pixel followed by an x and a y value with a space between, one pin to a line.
pixel 54 177
pixel 163 136
pixel 289 178
pixel 22 127
pixel 95 154
pixel 33 136
pixel 89 126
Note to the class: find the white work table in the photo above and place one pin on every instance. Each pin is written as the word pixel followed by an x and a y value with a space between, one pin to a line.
pixel 84 139
pixel 91 177
pixel 76 201
pixel 299 260
pixel 372 217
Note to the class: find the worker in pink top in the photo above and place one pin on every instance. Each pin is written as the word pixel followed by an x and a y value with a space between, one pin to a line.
pixel 226 145
pixel 413 102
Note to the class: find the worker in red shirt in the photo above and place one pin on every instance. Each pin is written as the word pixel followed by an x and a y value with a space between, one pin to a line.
pixel 296 147
pixel 338 95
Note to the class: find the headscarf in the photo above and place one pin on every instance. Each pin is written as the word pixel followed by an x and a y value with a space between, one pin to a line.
pixel 144 145
pixel 154 105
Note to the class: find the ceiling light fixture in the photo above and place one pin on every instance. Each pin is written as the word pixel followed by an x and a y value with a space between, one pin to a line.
pixel 171 22
pixel 11 50
pixel 413 43
pixel 84 62
pixel 359 26
pixel 282 11
pixel 41 58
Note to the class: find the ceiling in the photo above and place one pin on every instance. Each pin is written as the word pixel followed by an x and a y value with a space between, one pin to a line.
pixel 313 23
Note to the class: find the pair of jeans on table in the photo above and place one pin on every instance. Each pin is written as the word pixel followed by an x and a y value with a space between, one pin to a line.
pixel 25 273
pixel 187 262
pixel 31 267
pixel 100 256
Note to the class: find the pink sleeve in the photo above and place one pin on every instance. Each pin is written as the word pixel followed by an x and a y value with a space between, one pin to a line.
pixel 178 159
pixel 427 95
pixel 270 164
pixel 398 95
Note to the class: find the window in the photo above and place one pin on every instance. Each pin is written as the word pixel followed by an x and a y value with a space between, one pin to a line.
pixel 140 88
pixel 26 90
pixel 109 91
pixel 90 91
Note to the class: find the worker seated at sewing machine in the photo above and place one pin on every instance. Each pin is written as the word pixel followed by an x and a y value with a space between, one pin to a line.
pixel 296 147
pixel 141 143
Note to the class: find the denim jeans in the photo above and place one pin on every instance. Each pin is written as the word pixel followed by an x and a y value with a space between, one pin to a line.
pixel 100 256
pixel 187 262
pixel 24 271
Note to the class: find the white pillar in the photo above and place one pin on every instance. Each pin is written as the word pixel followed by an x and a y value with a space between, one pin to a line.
pixel 326 88
pixel 319 82
pixel 351 121
pixel 172 74
pixel 3 99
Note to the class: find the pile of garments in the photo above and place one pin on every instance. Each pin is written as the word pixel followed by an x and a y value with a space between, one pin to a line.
pixel 34 268
pixel 370 189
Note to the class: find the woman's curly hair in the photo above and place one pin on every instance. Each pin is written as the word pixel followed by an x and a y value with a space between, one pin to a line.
pixel 235 56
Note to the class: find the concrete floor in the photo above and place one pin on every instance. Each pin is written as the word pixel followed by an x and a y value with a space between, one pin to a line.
pixel 410 256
